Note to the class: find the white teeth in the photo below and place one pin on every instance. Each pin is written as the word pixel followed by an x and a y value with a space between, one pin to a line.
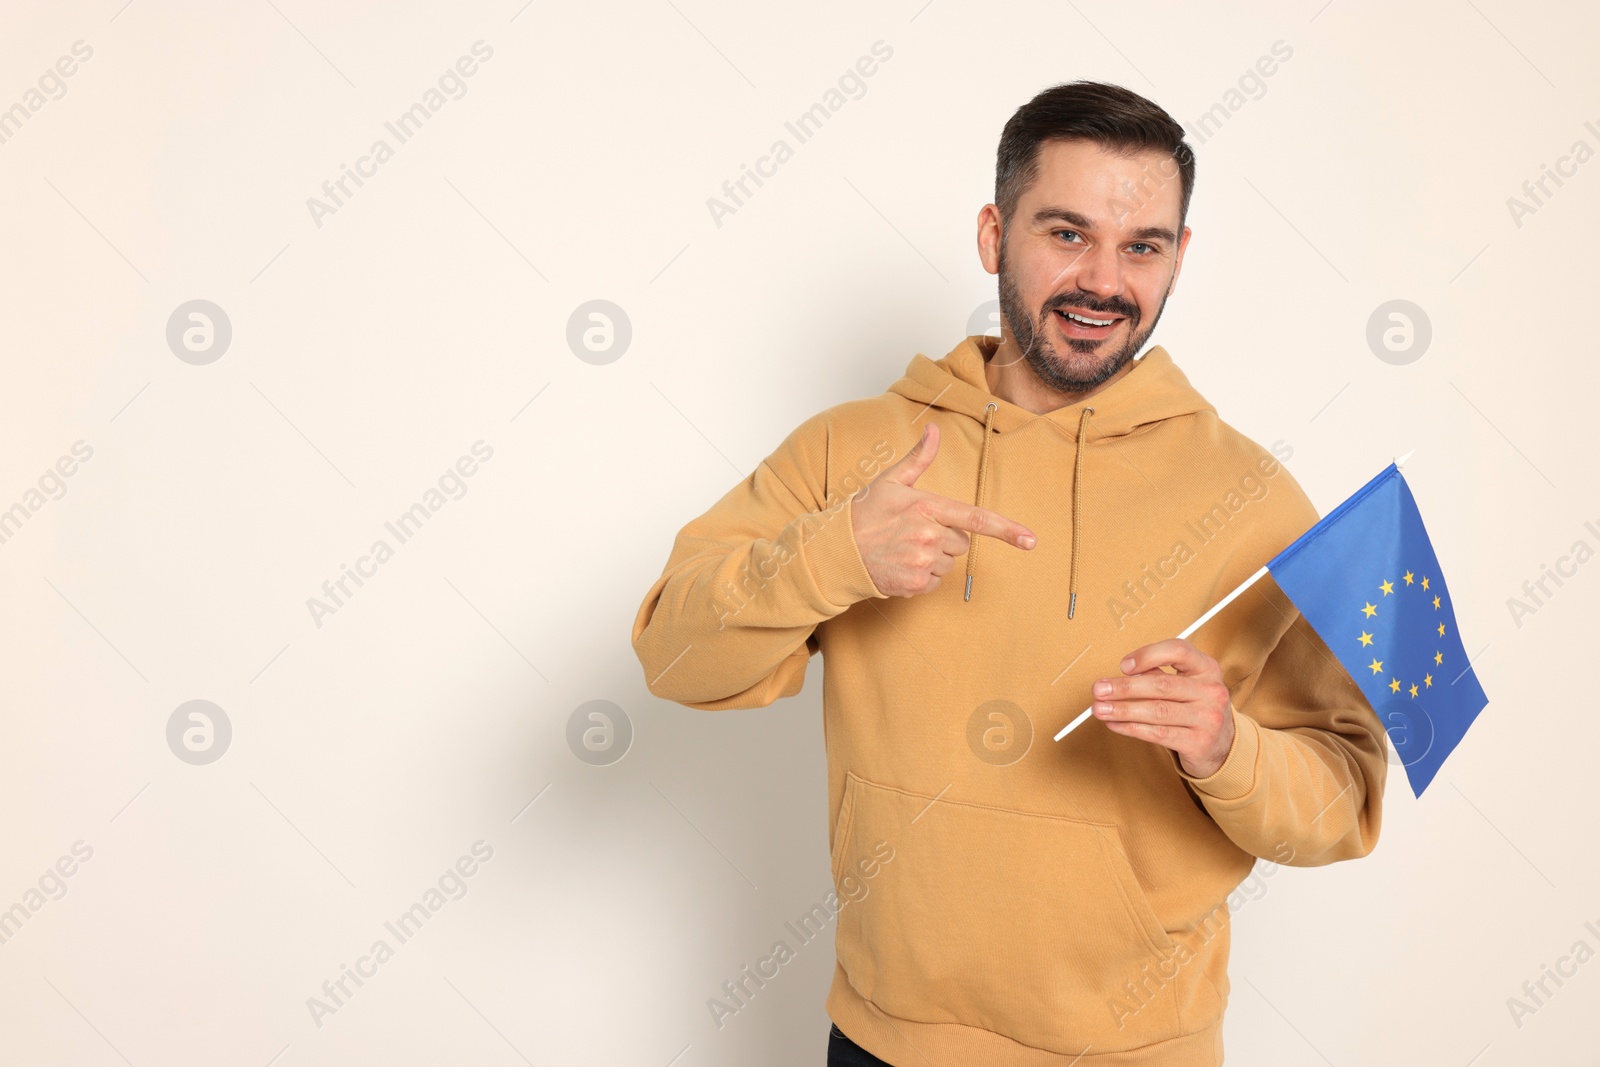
pixel 1089 322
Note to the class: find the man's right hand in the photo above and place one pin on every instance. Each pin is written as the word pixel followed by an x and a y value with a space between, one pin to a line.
pixel 909 538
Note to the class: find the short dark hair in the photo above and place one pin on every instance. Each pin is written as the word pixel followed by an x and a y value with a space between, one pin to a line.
pixel 1115 118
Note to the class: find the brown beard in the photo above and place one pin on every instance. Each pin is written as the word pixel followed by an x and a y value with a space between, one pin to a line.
pixel 1040 353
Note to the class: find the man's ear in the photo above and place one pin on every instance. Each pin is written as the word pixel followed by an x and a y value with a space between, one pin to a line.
pixel 990 231
pixel 1178 266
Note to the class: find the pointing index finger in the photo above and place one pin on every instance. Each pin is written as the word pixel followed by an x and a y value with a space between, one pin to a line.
pixel 978 520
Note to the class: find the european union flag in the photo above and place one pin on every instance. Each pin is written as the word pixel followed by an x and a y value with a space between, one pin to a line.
pixel 1367 580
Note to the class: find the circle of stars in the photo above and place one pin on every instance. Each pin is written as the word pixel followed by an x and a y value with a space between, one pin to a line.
pixel 1369 610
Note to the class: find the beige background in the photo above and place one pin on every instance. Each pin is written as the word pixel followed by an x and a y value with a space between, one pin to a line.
pixel 430 312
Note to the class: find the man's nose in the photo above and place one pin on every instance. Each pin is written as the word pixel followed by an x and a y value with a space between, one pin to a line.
pixel 1100 271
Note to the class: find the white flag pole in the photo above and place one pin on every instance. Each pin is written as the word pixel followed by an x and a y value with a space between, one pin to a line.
pixel 1192 627
pixel 1202 620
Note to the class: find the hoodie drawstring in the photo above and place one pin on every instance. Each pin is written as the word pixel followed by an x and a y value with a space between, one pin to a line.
pixel 1077 501
pixel 1077 507
pixel 983 473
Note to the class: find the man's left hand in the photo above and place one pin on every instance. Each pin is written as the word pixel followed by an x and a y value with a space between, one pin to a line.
pixel 1189 712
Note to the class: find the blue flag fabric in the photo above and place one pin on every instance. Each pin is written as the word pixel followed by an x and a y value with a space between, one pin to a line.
pixel 1367 580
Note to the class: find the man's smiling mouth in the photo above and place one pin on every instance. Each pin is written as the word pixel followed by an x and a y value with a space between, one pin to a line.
pixel 1086 324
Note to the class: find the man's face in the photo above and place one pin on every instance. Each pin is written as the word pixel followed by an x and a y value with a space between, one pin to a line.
pixel 1087 262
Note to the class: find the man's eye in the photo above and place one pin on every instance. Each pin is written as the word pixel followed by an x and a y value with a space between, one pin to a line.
pixel 1072 233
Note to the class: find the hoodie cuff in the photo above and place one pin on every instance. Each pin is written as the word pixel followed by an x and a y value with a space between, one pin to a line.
pixel 835 559
pixel 1236 778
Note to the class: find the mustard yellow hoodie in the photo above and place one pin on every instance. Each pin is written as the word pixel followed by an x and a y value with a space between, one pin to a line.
pixel 1007 900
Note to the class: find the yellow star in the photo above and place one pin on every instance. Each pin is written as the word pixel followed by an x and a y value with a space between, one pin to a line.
pixel 1438 657
pixel 1366 638
pixel 1413 688
pixel 1370 610
pixel 1408 577
pixel 1435 603
pixel 1441 629
pixel 1387 587
pixel 1394 685
pixel 1424 583
pixel 1376 665
pixel 1427 680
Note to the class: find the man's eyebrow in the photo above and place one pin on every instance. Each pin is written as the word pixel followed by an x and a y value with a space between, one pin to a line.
pixel 1147 233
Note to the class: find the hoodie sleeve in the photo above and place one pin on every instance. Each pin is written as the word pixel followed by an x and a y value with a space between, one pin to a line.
pixel 1309 759
pixel 729 622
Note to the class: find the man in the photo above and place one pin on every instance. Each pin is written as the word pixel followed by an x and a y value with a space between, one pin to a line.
pixel 1033 903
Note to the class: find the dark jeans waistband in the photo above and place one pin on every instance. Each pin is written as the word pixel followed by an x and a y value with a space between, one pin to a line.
pixel 842 1052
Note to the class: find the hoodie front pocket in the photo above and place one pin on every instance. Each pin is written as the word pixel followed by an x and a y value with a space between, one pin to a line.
pixel 1029 925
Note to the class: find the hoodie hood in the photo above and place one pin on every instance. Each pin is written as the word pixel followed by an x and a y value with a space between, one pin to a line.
pixel 1153 390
